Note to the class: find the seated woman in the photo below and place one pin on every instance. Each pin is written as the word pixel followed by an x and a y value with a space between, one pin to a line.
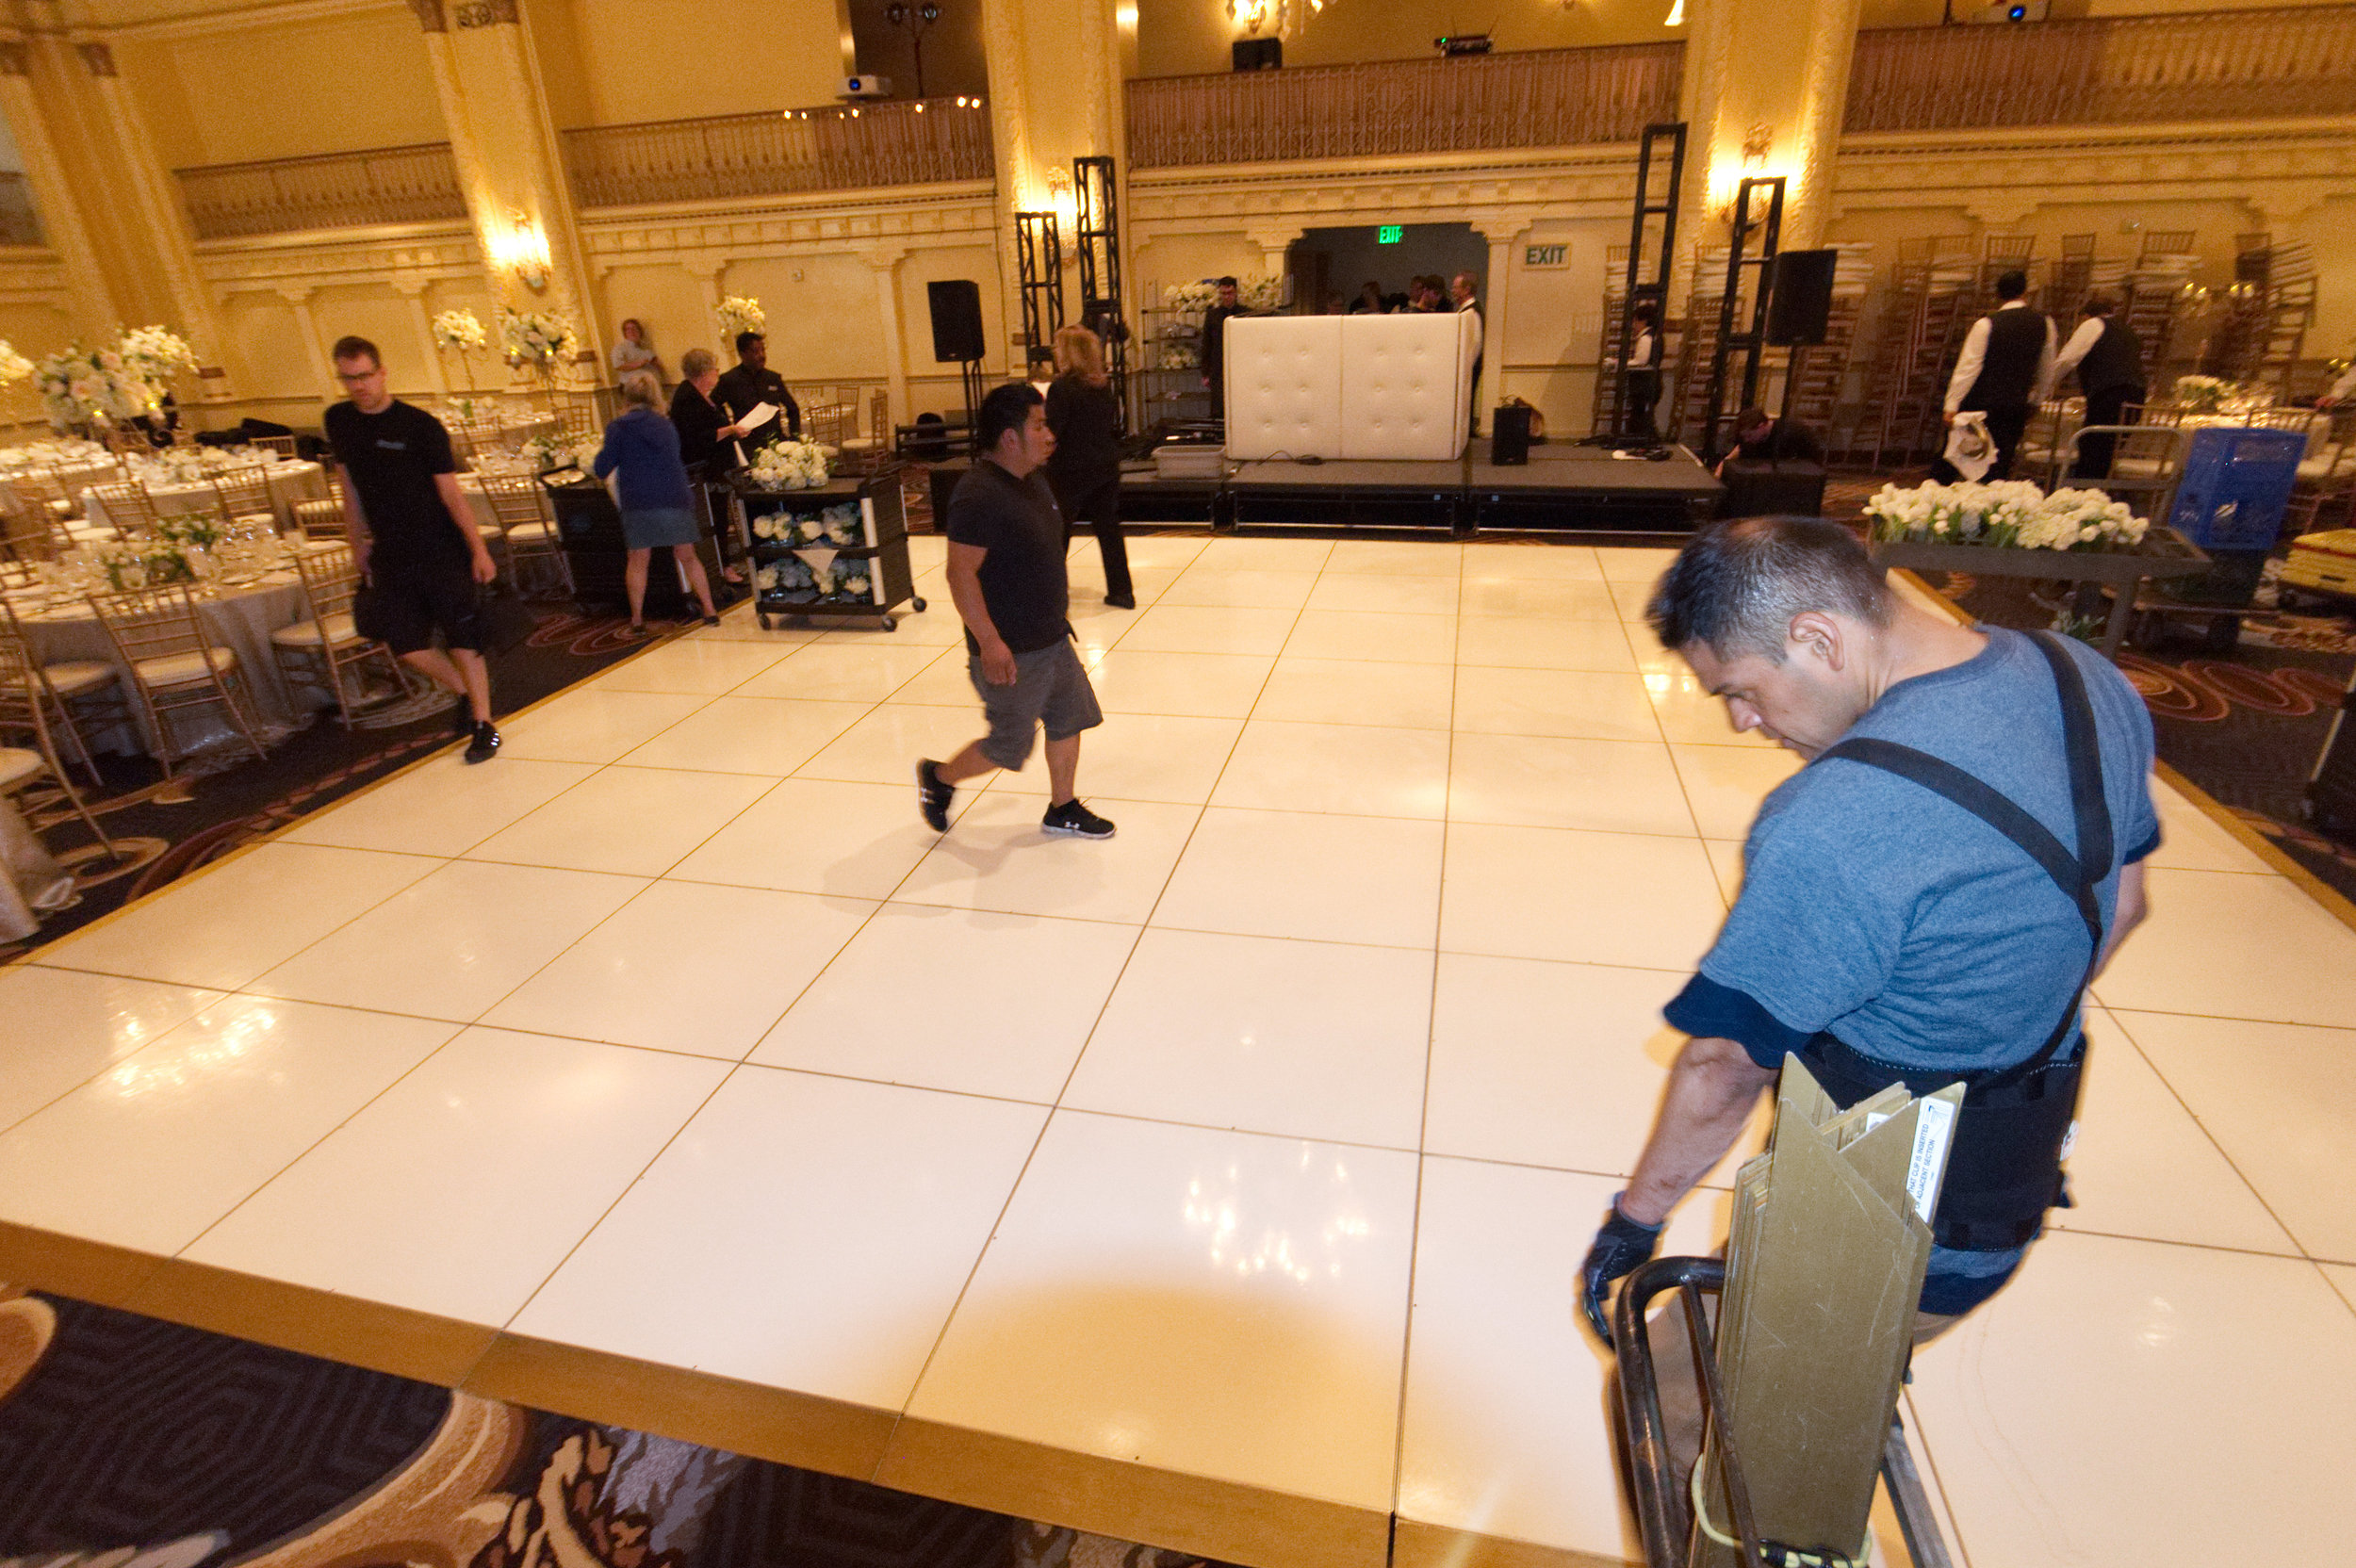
pixel 634 357
pixel 658 512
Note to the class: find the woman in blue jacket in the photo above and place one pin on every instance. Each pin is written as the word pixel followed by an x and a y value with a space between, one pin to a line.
pixel 657 509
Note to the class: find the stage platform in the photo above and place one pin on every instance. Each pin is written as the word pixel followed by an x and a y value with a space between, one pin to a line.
pixel 1571 491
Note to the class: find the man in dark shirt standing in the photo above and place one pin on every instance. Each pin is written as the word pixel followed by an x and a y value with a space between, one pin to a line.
pixel 1006 555
pixel 752 384
pixel 1215 346
pixel 409 528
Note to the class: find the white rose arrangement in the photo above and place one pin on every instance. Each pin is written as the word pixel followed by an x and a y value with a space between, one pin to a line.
pixel 2013 515
pixel 81 384
pixel 460 330
pixel 154 355
pixel 537 342
pixel 789 465
pixel 740 313
pixel 2205 394
pixel 14 366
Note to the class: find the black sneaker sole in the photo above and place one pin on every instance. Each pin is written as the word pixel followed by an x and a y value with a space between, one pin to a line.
pixel 478 752
pixel 936 813
pixel 1069 832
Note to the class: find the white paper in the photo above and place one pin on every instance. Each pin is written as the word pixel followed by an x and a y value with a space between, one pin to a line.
pixel 761 413
pixel 1970 448
pixel 1929 1162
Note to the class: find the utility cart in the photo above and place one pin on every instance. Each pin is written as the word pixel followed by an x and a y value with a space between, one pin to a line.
pixel 836 553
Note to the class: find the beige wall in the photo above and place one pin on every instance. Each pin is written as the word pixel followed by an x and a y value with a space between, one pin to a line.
pixel 1183 37
pixel 618 62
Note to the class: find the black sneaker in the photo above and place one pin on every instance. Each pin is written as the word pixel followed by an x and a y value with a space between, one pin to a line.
pixel 461 719
pixel 933 795
pixel 1075 820
pixel 485 743
pixel 1121 601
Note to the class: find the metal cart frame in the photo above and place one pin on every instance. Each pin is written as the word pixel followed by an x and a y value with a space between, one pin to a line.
pixel 888 555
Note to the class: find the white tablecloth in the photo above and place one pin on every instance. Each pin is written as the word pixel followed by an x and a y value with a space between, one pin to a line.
pixel 289 483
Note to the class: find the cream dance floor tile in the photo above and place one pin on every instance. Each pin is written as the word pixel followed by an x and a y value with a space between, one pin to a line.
pixel 1368 635
pixel 1135 1256
pixel 1725 784
pixel 882 748
pixel 767 736
pixel 1547 781
pixel 687 966
pixel 821 836
pixel 1240 590
pixel 1204 628
pixel 2343 1277
pixel 1396 558
pixel 1357 769
pixel 995 856
pixel 842 674
pixel 1143 756
pixel 1537 643
pixel 592 724
pixel 1161 551
pixel 2110 1369
pixel 65 1028
pixel 634 821
pixel 1266 555
pixel 225 927
pixel 1576 562
pixel 1577 704
pixel 1552 598
pixel 170 1139
pixel 1643 566
pixel 1197 685
pixel 1641 900
pixel 443 807
pixel 1356 690
pixel 869 1205
pixel 964 1000
pixel 944 680
pixel 2229 945
pixel 693 666
pixel 1305 1039
pixel 459 1190
pixel 1323 878
pixel 1392 593
pixel 452 944
pixel 2190 840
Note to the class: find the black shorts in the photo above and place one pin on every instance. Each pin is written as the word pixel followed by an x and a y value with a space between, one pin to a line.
pixel 403 608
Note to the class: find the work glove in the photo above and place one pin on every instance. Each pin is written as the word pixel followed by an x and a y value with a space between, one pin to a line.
pixel 1621 1248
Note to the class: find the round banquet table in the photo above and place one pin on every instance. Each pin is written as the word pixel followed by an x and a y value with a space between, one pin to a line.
pixel 289 483
pixel 238 618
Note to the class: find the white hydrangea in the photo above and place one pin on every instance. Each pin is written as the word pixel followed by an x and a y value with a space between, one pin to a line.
pixel 2012 514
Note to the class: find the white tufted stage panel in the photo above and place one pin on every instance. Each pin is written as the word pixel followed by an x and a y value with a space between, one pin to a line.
pixel 1285 386
pixel 1354 387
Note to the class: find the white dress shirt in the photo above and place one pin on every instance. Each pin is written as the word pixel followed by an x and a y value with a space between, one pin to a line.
pixel 2344 388
pixel 2081 344
pixel 1473 306
pixel 1975 354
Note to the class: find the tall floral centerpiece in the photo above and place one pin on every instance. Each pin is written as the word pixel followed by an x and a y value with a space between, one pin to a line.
pixel 2202 394
pixel 83 388
pixel 16 371
pixel 153 355
pixel 740 313
pixel 460 332
pixel 538 343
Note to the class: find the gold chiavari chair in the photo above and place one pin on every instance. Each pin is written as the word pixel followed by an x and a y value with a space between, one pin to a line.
pixel 324 520
pixel 173 666
pixel 241 498
pixel 867 452
pixel 41 490
pixel 128 507
pixel 89 685
pixel 316 652
pixel 282 445
pixel 26 535
pixel 518 507
pixel 23 712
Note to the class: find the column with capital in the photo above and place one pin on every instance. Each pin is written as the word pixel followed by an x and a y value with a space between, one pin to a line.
pixel 54 193
pixel 1505 235
pixel 411 288
pixel 508 165
pixel 883 261
pixel 313 347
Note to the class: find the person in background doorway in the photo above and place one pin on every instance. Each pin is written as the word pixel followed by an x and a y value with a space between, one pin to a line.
pixel 1085 418
pixel 1215 344
pixel 2108 357
pixel 752 384
pixel 1641 376
pixel 1369 301
pixel 658 510
pixel 1463 293
pixel 2007 370
pixel 635 358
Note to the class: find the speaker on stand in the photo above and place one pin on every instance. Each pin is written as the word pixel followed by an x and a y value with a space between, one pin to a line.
pixel 1799 308
pixel 956 305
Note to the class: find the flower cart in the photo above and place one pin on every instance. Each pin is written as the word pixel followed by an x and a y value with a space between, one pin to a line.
pixel 834 549
pixel 2015 529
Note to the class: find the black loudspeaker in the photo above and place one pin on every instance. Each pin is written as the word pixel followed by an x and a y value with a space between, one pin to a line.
pixel 1259 54
pixel 957 306
pixel 1508 434
pixel 1799 307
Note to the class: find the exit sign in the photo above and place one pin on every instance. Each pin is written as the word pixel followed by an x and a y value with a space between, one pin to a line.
pixel 1389 234
pixel 1545 255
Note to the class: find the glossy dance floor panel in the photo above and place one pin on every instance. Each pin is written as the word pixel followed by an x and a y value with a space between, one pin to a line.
pixel 1223 1186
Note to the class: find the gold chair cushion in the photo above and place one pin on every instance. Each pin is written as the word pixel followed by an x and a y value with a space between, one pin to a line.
pixel 17 765
pixel 79 677
pixel 531 534
pixel 305 634
pixel 178 669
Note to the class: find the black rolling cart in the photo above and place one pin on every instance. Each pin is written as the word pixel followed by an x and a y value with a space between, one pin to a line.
pixel 836 553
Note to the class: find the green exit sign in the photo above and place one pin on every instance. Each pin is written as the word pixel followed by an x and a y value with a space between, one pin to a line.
pixel 1389 234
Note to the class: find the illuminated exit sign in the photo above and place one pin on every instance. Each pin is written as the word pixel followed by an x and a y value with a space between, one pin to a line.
pixel 1389 234
pixel 1545 255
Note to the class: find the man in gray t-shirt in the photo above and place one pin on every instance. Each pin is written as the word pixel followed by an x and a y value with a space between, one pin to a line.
pixel 1885 926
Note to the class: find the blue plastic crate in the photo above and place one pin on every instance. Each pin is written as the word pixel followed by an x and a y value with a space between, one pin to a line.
pixel 2235 487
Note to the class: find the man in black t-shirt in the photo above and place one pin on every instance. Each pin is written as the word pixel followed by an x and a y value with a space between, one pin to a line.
pixel 752 384
pixel 419 553
pixel 1215 344
pixel 1007 574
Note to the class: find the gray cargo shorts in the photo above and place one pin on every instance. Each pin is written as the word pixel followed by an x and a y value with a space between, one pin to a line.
pixel 1051 687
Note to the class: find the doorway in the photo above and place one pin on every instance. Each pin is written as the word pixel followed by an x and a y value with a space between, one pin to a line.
pixel 1329 264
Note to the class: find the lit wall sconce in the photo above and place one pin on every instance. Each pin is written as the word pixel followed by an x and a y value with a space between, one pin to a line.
pixel 523 251
pixel 1062 200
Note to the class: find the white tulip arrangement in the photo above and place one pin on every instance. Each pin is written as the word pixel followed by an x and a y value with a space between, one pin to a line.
pixel 2011 515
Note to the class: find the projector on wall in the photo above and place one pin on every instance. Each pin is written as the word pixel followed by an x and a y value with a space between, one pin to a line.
pixel 1454 45
pixel 865 87
pixel 2006 12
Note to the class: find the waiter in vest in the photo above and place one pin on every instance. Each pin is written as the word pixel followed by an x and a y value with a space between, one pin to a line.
pixel 1925 903
pixel 2005 370
pixel 1640 383
pixel 2108 357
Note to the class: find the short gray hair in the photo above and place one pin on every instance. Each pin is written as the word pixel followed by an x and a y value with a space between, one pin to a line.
pixel 1736 586
pixel 641 392
pixel 695 361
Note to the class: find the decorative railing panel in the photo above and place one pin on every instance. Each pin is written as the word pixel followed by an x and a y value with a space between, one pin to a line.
pixel 932 141
pixel 1541 98
pixel 2212 65
pixel 339 190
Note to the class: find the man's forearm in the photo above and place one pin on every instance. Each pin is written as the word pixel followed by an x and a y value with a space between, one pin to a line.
pixel 965 590
pixel 1712 1090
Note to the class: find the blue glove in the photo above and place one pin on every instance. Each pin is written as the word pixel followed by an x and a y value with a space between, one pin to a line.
pixel 1622 1246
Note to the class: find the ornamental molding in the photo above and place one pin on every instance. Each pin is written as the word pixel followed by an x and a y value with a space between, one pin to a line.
pixel 486 13
pixel 98 57
pixel 442 253
pixel 248 18
pixel 731 235
pixel 430 17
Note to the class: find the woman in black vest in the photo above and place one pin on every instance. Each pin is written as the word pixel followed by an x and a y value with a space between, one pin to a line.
pixel 1085 469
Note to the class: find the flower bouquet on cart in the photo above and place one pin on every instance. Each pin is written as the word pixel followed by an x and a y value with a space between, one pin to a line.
pixel 787 466
pixel 2009 515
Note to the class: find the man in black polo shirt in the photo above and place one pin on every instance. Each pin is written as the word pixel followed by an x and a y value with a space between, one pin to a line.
pixel 409 528
pixel 752 384
pixel 1007 574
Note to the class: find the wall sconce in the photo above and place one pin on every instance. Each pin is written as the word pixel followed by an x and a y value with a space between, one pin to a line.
pixel 1062 200
pixel 523 251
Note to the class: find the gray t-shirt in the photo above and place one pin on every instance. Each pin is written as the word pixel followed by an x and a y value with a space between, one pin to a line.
pixel 1897 921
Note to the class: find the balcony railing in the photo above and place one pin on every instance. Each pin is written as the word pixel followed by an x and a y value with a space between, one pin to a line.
pixel 934 141
pixel 2214 65
pixel 339 190
pixel 19 224
pixel 1541 98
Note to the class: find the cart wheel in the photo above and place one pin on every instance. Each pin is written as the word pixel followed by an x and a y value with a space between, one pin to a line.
pixel 916 605
pixel 2224 634
pixel 764 619
pixel 891 622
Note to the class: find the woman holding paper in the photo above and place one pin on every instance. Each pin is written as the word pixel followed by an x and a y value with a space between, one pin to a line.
pixel 642 449
pixel 1085 467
